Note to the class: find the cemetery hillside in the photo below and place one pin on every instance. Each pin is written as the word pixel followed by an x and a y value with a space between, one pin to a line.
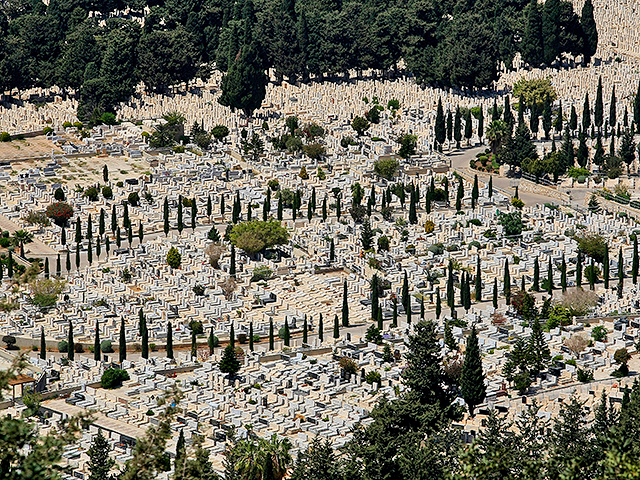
pixel 319 240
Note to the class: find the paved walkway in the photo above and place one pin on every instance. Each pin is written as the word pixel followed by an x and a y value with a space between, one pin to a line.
pixel 34 249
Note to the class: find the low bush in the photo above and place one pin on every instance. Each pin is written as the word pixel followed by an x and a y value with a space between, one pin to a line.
pixel 63 346
pixel 113 378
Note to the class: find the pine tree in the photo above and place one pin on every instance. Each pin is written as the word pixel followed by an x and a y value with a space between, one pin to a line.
pixel 321 329
pixel 336 328
pixel 96 343
pixel 123 342
pixel 345 305
pixel 537 348
pixel 71 348
pixel 472 377
pixel 144 333
pixel 563 275
pixel 170 339
pixel 229 363
pixel 536 275
pixel 271 339
pixel 507 282
pixel 43 346
pixel 598 112
pixel 100 463
pixel 605 266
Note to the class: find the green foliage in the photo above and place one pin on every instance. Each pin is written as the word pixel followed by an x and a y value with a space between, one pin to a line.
pixel 536 92
pixel 255 235
pixel 106 347
pixel 512 223
pixel 592 245
pixel 261 273
pixel 386 168
pixel 174 258
pixel 229 362
pixel 599 333
pixel 113 378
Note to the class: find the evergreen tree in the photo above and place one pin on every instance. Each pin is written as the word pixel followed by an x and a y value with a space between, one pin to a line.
pixel 573 119
pixel 588 24
pixel 98 249
pixel 459 195
pixel 170 339
pixel 229 363
pixel 495 292
pixel 321 329
pixel 507 282
pixel 380 324
pixel 586 113
pixel 10 264
pixel 210 206
pixel 579 270
pixel 582 155
pixel 449 127
pixel 114 220
pixel 495 113
pixel 438 304
pixel 550 278
pixel 536 275
pixel 468 126
pixel 636 111
pixel 537 348
pixel 46 267
pixel 96 343
pixel 78 231
pixel 271 339
pixel 280 209
pixel 194 346
pixel 324 209
pixel 222 206
pixel 490 193
pixel 620 273
pixel 232 336
pixel 180 447
pixel 405 290
pixel 43 346
pixel 305 332
pixel 481 124
pixel 449 339
pixel 332 251
pixel 71 348
pixel 507 114
pixel 394 320
pixel 165 216
pixel 366 235
pixel 336 328
pixel 409 310
pixel 100 463
pixel 559 121
pixel 475 192
pixel 125 216
pixel 551 30
pixel 244 85
pixel 563 275
pixel 68 263
pixel 374 297
pixel 232 264
pixel 345 305
pixel 194 214
pixel 634 265
pixel 472 377
pixel 63 236
pixel 440 128
pixel 450 298
pixel 413 215
pixel 212 342
pixel 598 111
pixel 180 224
pixel 122 348
pixel 457 127
pixel 605 266
pixel 546 119
pixel 478 281
pixel 532 39
pixel 144 333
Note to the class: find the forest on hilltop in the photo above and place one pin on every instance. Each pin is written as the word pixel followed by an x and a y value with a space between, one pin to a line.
pixel 102 49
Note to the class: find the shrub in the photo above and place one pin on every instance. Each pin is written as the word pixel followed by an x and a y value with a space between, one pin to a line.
pixel 584 375
pixel 4 242
pixel 599 333
pixel 63 346
pixel 91 193
pixel 133 199
pixel 10 341
pixel 174 259
pixel 113 378
pixel 47 130
pixel 67 125
pixel 373 377
pixel 198 290
pixel 273 184
pixel 106 347
pixel 78 348
pixel 59 194
pixel 348 365
pixel 517 203
pixel 108 118
pixel 373 335
pixel 196 327
pixel 429 226
pixel 261 273
pixel 386 168
pixel 5 137
pixel 120 184
pixel 60 212
pixel 107 192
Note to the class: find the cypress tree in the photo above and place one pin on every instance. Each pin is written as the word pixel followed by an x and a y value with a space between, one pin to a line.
pixel 532 46
pixel 449 127
pixel 507 282
pixel 222 206
pixel 495 114
pixel 336 328
pixel 573 119
pixel 305 334
pixel 144 332
pixel 579 270
pixel 634 265
pixel 78 256
pixel 636 110
pixel 338 210
pixel 451 301
pixel 321 329
pixel 507 114
pixel 125 216
pixel 78 231
pixel 440 128
pixel 96 343
pixel 232 336
pixel 550 278
pixel 324 209
pixel 463 289
pixel 472 377
pixel 210 206
pixel 63 236
pixel 612 108
pixel 438 304
pixel 271 339
pixel 394 321
pixel 58 268
pixel 478 281
pixel 345 306
pixel 211 342
pixel 467 293
pixel 114 220
pixel 43 346
pixel 536 275
pixel 72 348
pixel 194 346
pixel 313 198
pixel 605 266
pixel 10 265
pixel 495 292
pixel 457 127
pixel 620 273
pixel 332 251
pixel 588 24
pixel 249 211
pixel 558 122
pixel 475 192
pixel 266 206
pixel 68 264
pixel 101 222
pixel 449 340
pixel 180 224
pixel 251 334
pixel 586 113
pixel 582 155
pixel 547 122
pixel 46 267
pixel 140 232
pixel 89 252
pixel 413 215
pixel 374 298
pixel 98 248
pixel 409 310
pixel 459 195
pixel 280 207
pixel 194 214
pixel 380 325
pixel 106 245
pixel 309 211
pixel 123 342
pixel 118 238
pixel 468 126
pixel 89 228
pixel 405 290
pixel 563 275
pixel 1 272
pixel 180 447
pixel 481 124
pixel 170 339
pixel 490 187
pixel 165 216
pixel 598 112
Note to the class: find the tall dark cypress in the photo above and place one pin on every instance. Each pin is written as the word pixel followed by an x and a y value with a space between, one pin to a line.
pixel 170 339
pixel 271 339
pixel 46 267
pixel 495 292
pixel 451 301
pixel 586 113
pixel 321 329
pixel 478 281
pixel 536 275
pixel 550 278
pixel 475 192
pixel 579 269
pixel 336 327
pixel 405 290
pixel 194 345
pixel 409 310
pixel 232 265
pixel 506 282
pixel 438 304
pixel 212 342
pixel 472 377
pixel 144 332
pixel 394 320
pixel 165 216
pixel 123 342
pixel 209 206
pixel 58 268
pixel 180 224
pixel 345 305
pixel 96 343
pixel 598 111
pixel 620 273
pixel 72 348
pixel 440 128
pixel 490 192
pixel 374 297
pixel 563 275
pixel 232 336
pixel 305 331
pixel 43 346
pixel 634 265
pixel 605 266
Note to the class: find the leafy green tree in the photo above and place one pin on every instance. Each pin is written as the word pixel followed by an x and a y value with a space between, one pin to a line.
pixel 360 125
